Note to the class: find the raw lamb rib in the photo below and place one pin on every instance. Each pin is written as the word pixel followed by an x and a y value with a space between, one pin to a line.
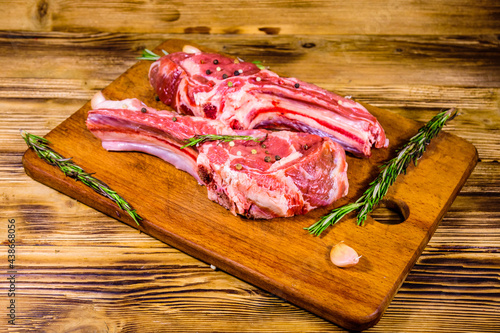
pixel 283 174
pixel 244 97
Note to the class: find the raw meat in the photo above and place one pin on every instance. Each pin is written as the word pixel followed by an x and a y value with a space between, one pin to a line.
pixel 288 174
pixel 244 97
pixel 129 125
pixel 284 174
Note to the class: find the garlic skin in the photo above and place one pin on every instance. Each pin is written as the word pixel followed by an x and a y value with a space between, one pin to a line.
pixel 97 99
pixel 343 255
pixel 190 49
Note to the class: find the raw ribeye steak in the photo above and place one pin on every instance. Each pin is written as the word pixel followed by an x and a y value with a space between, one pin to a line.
pixel 243 96
pixel 280 175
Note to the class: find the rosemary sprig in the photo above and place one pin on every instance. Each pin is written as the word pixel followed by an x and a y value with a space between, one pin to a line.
pixel 150 55
pixel 390 170
pixel 70 169
pixel 258 63
pixel 224 138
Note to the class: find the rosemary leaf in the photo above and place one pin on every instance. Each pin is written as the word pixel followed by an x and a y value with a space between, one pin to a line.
pixel 259 64
pixel 70 169
pixel 411 151
pixel 224 138
pixel 150 55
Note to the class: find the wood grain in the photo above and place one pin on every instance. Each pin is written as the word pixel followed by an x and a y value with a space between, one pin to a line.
pixel 432 60
pixel 271 254
pixel 255 17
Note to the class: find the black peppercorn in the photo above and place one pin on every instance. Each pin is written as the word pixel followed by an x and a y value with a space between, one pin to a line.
pixel 224 76
pixel 144 110
pixel 208 72
pixel 216 62
pixel 236 73
pixel 297 85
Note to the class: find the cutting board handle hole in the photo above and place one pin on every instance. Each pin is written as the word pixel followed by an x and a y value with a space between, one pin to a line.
pixel 391 211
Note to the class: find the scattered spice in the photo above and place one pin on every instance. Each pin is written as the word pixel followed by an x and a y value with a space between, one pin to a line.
pixel 267 159
pixel 306 147
pixel 157 98
pixel 254 151
pixel 224 76
pixel 258 79
pixel 218 69
pixel 236 73
pixel 174 119
pixel 144 110
pixel 238 153
pixel 277 157
pixel 238 166
pixel 231 143
pixel 216 61
pixel 296 85
pixel 263 146
pixel 208 72
pixel 340 102
pixel 343 255
pixel 229 84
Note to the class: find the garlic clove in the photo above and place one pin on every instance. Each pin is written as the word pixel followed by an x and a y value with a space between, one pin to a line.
pixel 343 255
pixel 97 99
pixel 190 49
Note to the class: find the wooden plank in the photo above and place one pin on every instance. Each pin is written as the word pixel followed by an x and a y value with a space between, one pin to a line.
pixel 255 17
pixel 352 61
pixel 275 255
pixel 455 302
pixel 440 295
pixel 146 281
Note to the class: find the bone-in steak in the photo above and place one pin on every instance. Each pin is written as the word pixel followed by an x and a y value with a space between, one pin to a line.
pixel 284 174
pixel 245 97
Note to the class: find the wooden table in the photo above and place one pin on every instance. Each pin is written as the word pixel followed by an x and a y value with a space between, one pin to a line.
pixel 80 270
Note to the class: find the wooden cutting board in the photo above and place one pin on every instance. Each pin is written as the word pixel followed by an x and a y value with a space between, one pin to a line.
pixel 277 255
